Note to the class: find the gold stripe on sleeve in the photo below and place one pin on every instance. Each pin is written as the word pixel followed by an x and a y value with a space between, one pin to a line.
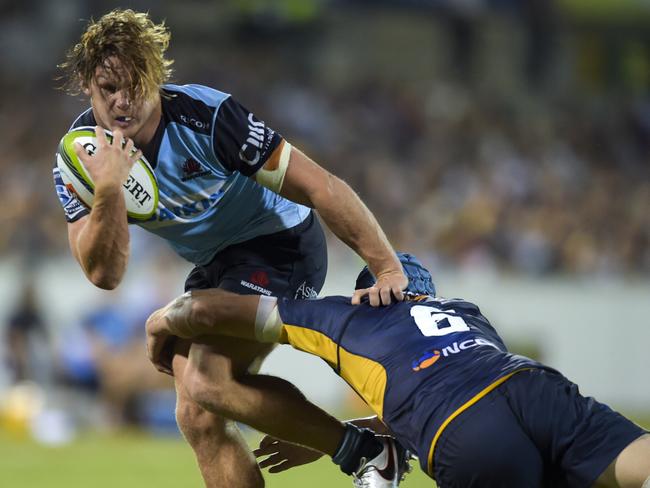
pixel 366 376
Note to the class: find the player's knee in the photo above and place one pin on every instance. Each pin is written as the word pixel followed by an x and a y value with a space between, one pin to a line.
pixel 210 391
pixel 196 311
pixel 196 423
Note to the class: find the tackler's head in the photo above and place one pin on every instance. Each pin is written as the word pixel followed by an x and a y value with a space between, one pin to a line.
pixel 420 282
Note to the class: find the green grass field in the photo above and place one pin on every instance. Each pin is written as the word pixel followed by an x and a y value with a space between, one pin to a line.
pixel 131 460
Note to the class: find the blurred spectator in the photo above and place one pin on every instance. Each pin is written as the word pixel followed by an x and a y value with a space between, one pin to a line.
pixel 103 356
pixel 26 337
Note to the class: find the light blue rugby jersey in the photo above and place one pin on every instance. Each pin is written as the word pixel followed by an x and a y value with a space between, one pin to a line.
pixel 203 159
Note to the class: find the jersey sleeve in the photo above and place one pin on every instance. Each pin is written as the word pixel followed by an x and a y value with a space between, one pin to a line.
pixel 324 316
pixel 241 141
pixel 72 207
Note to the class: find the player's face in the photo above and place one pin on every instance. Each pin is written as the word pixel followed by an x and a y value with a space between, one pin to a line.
pixel 113 108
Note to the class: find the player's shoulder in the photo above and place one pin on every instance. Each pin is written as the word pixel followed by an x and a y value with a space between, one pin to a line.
pixel 84 119
pixel 192 106
pixel 193 93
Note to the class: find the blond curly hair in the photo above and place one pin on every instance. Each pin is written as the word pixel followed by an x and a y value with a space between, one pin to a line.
pixel 130 37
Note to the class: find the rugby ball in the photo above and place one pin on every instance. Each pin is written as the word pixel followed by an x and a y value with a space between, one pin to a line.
pixel 140 188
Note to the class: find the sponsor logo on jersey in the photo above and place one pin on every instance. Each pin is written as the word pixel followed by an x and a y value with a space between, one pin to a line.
pixel 427 359
pixel 62 191
pixel 431 356
pixel 67 196
pixel 252 149
pixel 255 287
pixel 304 291
pixel 72 193
pixel 193 169
pixel 191 121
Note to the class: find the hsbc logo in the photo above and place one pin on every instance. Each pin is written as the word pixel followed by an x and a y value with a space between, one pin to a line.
pixel 250 151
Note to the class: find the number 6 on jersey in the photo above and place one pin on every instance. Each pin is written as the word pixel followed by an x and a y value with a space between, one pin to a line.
pixel 434 322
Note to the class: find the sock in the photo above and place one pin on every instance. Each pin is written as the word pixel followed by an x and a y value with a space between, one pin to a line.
pixel 356 443
pixel 646 483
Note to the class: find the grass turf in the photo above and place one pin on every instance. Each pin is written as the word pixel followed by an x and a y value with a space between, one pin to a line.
pixel 132 460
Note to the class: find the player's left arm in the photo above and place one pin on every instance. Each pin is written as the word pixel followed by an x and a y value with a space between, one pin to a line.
pixel 347 216
pixel 280 455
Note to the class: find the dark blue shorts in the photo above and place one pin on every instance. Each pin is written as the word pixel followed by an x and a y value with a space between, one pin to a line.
pixel 291 263
pixel 534 430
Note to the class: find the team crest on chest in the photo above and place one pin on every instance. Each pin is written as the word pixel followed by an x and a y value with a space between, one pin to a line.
pixel 193 169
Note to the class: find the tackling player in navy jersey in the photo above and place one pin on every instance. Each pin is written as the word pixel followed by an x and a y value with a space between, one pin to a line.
pixel 440 379
pixel 236 200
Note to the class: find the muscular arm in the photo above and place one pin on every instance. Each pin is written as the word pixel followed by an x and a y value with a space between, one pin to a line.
pixel 212 312
pixel 200 313
pixel 280 455
pixel 347 216
pixel 290 173
pixel 100 240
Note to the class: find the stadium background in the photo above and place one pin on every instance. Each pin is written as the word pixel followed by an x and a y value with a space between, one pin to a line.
pixel 505 142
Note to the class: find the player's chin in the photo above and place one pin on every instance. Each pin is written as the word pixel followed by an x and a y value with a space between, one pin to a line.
pixel 128 129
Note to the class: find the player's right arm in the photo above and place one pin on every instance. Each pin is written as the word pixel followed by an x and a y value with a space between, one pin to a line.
pixel 99 241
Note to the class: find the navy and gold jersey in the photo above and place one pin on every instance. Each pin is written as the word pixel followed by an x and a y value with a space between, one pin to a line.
pixel 417 364
pixel 204 152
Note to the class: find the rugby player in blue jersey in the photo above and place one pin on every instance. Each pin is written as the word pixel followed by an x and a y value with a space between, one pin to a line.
pixel 235 199
pixel 441 380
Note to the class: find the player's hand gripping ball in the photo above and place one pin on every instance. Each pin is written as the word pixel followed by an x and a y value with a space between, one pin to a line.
pixel 140 188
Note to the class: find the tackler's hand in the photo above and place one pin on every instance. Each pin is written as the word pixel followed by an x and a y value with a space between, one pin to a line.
pixel 283 455
pixel 388 285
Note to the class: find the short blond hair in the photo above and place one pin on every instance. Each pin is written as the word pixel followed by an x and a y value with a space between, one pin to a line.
pixel 133 39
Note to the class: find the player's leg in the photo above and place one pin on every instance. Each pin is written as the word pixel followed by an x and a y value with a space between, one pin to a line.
pixel 221 452
pixel 631 469
pixel 217 378
pixel 578 436
pixel 291 263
